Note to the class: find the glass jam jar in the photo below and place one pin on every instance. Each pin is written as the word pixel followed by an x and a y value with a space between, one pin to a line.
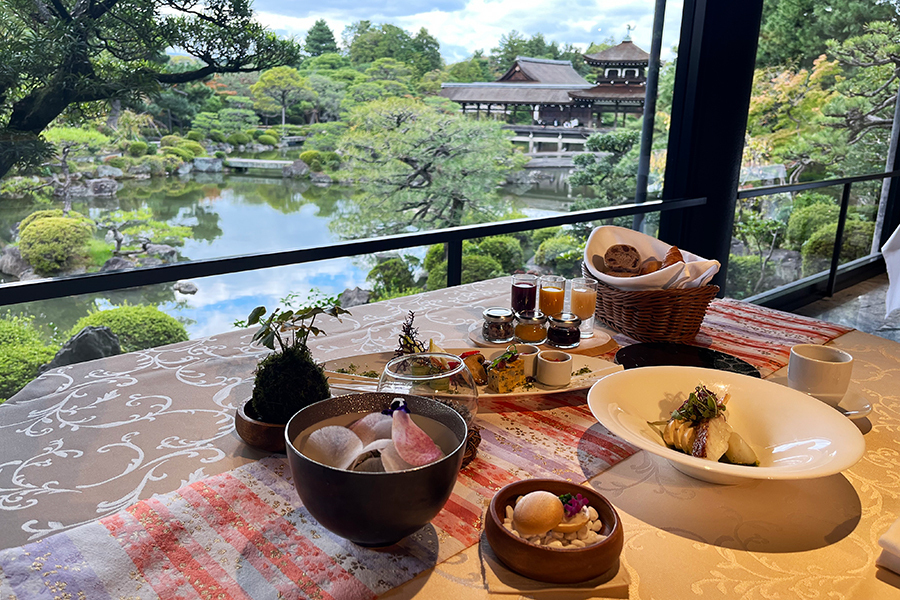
pixel 498 325
pixel 564 331
pixel 531 327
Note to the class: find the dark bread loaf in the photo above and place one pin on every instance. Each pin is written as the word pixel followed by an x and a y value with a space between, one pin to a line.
pixel 622 258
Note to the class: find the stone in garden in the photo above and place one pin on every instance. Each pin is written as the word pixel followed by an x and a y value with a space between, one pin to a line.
pixel 295 170
pixel 109 171
pixel 12 263
pixel 185 168
pixel 117 263
pixel 355 297
pixel 320 179
pixel 102 187
pixel 185 287
pixel 149 261
pixel 90 343
pixel 140 169
pixel 163 251
pixel 207 164
pixel 77 189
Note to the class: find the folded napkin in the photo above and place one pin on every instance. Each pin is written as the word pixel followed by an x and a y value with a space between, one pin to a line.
pixel 890 553
pixel 499 579
pixel 694 272
pixel 891 253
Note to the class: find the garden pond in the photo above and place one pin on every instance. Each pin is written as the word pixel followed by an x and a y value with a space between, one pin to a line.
pixel 234 215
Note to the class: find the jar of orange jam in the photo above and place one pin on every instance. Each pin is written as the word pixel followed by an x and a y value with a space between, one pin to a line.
pixel 531 327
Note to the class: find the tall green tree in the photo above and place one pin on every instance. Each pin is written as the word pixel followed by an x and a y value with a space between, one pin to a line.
pixel 368 43
pixel 320 39
pixel 62 53
pixel 798 31
pixel 422 168
pixel 281 87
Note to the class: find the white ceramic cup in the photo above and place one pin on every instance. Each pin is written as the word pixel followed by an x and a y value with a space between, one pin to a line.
pixel 554 368
pixel 528 353
pixel 820 371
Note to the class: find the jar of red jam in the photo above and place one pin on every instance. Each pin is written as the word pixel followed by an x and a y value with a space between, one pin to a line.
pixel 498 327
pixel 531 327
pixel 564 331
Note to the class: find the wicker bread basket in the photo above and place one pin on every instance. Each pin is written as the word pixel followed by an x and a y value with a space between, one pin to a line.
pixel 672 315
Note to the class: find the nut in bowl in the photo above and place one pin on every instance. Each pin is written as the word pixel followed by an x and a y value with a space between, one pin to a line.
pixel 570 564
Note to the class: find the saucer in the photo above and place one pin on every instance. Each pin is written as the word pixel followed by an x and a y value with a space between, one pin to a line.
pixel 854 405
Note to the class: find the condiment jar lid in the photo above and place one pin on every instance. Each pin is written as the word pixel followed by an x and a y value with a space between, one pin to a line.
pixel 497 314
pixel 565 320
pixel 531 317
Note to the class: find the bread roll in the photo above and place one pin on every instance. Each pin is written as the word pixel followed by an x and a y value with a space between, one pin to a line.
pixel 651 265
pixel 623 258
pixel 673 256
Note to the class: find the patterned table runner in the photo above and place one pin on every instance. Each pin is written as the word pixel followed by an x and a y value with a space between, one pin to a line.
pixel 245 534
pixel 761 336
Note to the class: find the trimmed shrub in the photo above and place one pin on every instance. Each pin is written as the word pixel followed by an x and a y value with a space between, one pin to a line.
pixel 137 149
pixel 238 139
pixel 474 268
pixel 52 243
pixel 807 220
pixel 315 166
pixel 217 136
pixel 390 276
pixel 743 273
pixel 195 136
pixel 311 155
pixel 169 140
pixel 138 327
pixel 152 149
pixel 184 154
pixel 272 133
pixel 267 140
pixel 220 154
pixel 562 254
pixel 22 352
pixel 119 162
pixel 192 147
pixel 505 249
pixel 51 212
pixel 157 164
pixel 817 250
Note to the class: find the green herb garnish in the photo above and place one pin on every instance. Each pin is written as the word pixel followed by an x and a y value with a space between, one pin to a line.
pixel 583 371
pixel 511 355
pixel 701 404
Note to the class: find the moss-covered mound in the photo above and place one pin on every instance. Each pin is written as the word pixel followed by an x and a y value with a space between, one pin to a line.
pixel 285 383
pixel 22 352
pixel 138 327
pixel 52 243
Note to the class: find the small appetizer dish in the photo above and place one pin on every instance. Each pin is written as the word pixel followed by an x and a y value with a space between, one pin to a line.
pixel 725 427
pixel 555 531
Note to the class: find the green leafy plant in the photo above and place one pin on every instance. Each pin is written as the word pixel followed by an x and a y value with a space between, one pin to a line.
pixel 288 379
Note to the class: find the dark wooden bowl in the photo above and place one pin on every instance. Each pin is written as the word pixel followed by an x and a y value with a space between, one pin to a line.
pixel 555 565
pixel 258 434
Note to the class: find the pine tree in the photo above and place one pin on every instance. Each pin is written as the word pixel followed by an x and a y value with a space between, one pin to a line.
pixel 320 39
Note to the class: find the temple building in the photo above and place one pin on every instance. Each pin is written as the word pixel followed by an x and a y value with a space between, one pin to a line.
pixel 555 94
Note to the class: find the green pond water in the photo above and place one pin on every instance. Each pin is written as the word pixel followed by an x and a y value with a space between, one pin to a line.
pixel 234 215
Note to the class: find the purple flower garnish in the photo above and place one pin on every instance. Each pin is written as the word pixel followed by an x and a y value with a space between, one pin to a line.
pixel 573 504
pixel 396 404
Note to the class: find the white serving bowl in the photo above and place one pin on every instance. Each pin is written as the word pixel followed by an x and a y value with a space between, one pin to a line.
pixel 794 435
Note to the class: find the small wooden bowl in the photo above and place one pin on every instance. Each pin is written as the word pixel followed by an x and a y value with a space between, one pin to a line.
pixel 258 434
pixel 555 565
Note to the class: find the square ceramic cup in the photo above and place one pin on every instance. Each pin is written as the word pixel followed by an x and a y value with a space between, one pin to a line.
pixel 820 371
pixel 528 353
pixel 554 368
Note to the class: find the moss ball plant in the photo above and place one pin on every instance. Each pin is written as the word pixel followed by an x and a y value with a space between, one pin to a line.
pixel 817 250
pixel 267 140
pixel 138 327
pixel 137 149
pixel 53 243
pixel 286 382
pixel 289 379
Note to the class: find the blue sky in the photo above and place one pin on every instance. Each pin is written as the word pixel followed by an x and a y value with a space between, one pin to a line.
pixel 463 26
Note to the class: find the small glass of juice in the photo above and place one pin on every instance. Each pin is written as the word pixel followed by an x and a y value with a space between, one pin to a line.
pixel 584 302
pixel 552 295
pixel 524 292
